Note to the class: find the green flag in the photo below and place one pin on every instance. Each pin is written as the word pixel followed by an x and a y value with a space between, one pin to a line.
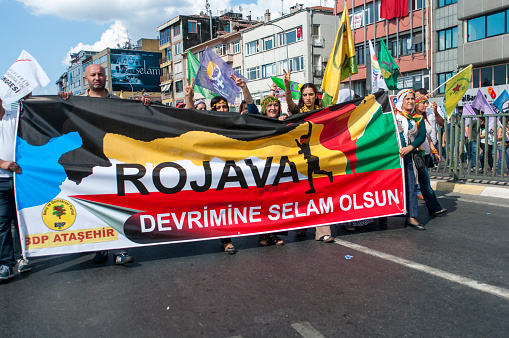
pixel 389 68
pixel 192 68
pixel 294 86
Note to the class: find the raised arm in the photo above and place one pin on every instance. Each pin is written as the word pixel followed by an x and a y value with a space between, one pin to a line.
pixel 440 120
pixel 189 91
pixel 288 92
pixel 245 91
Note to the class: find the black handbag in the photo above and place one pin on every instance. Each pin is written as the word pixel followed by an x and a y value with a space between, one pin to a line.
pixel 418 159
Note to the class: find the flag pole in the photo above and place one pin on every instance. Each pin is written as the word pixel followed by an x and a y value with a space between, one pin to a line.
pixel 434 90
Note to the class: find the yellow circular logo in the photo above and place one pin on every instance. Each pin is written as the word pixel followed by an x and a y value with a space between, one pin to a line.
pixel 58 214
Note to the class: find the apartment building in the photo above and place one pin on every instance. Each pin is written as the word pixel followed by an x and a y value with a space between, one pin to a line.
pixel 407 39
pixel 301 41
pixel 182 33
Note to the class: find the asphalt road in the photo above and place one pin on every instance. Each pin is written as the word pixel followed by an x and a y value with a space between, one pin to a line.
pixel 450 280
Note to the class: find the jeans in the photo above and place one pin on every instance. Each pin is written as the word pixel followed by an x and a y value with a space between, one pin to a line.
pixel 410 183
pixel 473 153
pixel 429 195
pixel 7 214
pixel 490 155
pixel 499 162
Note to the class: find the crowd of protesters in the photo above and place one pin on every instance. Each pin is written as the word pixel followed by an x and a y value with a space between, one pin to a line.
pixel 417 126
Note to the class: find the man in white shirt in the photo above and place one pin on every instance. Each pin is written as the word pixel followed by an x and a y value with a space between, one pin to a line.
pixel 7 203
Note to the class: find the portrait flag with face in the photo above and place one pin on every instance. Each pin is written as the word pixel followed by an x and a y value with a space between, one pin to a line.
pixel 214 74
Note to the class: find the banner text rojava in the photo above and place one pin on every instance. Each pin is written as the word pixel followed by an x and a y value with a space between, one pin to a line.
pixel 158 175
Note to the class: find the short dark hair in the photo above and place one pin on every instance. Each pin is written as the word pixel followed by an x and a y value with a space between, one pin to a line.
pixel 422 91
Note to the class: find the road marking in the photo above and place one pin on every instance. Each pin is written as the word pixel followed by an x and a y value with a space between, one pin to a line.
pixel 494 290
pixel 306 330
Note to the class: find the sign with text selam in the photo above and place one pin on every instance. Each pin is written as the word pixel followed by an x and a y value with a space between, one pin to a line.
pixel 100 174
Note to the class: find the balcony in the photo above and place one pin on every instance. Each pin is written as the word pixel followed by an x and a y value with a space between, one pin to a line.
pixel 164 60
pixel 228 58
pixel 318 41
pixel 167 96
pixel 318 71
pixel 166 78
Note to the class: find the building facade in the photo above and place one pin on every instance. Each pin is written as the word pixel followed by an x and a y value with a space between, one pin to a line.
pixel 300 41
pixel 182 33
pixel 229 48
pixel 485 29
pixel 406 38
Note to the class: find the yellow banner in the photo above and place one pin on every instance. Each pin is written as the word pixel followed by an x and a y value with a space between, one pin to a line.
pixel 72 237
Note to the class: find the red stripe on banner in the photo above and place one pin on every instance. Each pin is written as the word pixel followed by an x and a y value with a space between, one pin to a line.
pixel 23 60
pixel 237 211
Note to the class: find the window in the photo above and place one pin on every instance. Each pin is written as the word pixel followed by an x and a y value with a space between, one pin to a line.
pixel 236 47
pixel 493 24
pixel 238 70
pixel 476 29
pixel 179 86
pixel 475 78
pixel 356 17
pixel 417 4
pixel 176 30
pixel 316 30
pixel 442 3
pixel 177 67
pixel 221 50
pixel 297 63
pixel 199 55
pixel 442 77
pixel 369 14
pixel 282 65
pixel 377 10
pixel 177 48
pixel 103 59
pixel 252 47
pixel 106 71
pixel 253 73
pixel 486 77
pixel 291 36
pixel 164 37
pixel 359 54
pixel 268 70
pixel 448 38
pixel 191 27
pixel 499 73
pixel 268 43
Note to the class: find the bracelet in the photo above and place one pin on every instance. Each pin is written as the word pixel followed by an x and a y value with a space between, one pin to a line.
pixel 434 151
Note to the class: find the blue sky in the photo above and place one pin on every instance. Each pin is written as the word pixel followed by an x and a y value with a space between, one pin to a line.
pixel 50 29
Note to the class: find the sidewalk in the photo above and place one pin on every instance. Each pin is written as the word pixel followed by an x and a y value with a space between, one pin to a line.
pixel 484 188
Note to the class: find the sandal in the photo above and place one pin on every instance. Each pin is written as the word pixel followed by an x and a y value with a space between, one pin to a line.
pixel 327 239
pixel 263 240
pixel 275 240
pixel 229 248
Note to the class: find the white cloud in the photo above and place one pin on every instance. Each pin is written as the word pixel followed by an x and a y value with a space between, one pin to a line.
pixel 113 36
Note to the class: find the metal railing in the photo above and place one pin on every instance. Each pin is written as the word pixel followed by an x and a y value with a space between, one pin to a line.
pixel 470 150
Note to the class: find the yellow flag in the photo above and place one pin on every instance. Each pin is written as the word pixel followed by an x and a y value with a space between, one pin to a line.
pixel 341 62
pixel 455 88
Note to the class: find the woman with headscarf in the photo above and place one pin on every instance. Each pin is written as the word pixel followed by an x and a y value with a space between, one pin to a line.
pixel 434 207
pixel 412 133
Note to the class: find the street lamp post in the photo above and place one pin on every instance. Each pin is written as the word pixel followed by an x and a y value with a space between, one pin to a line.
pixel 284 38
pixel 132 90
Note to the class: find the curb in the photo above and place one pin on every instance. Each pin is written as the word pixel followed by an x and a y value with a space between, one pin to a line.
pixel 471 189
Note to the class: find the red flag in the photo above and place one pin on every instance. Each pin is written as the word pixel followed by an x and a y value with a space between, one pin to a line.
pixel 393 9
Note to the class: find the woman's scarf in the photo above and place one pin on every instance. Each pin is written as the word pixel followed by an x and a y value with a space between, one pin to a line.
pixel 413 115
pixel 305 109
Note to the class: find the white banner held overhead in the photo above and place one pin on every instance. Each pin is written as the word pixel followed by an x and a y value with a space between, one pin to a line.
pixel 22 78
